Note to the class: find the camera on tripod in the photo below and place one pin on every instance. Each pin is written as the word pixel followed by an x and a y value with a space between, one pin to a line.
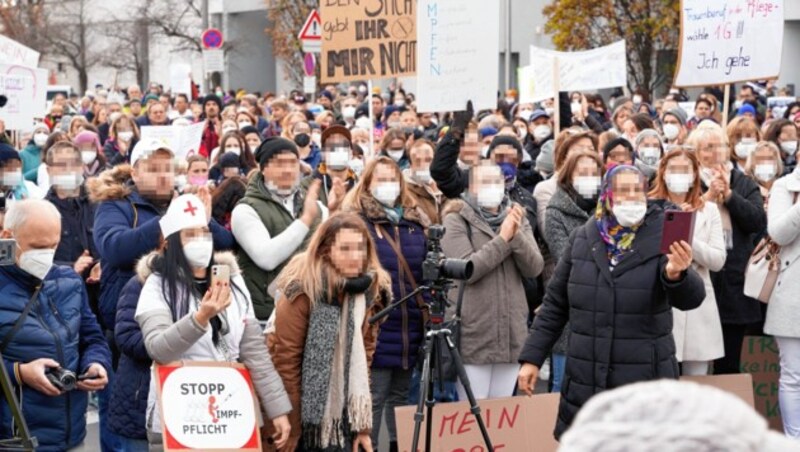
pixel 437 267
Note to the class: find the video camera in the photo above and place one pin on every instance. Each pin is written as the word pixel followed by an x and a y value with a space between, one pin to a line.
pixel 437 267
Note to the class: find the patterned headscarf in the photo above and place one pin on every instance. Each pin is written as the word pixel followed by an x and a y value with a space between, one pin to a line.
pixel 618 239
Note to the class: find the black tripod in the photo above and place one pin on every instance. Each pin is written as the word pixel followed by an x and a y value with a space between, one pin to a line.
pixel 437 340
pixel 23 439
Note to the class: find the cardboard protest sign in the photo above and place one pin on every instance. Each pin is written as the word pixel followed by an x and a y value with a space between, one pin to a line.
pixel 722 41
pixel 760 359
pixel 517 423
pixel 207 406
pixel 26 89
pixel 368 39
pixel 184 141
pixel 447 73
pixel 12 52
pixel 603 67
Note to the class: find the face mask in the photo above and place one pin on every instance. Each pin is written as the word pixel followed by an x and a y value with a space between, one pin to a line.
pixel 113 117
pixel 198 181
pixel 349 112
pixel 491 196
pixel 12 179
pixel 364 123
pixel 707 175
pixel 68 181
pixel 485 151
pixel 744 148
pixel 37 263
pixel 679 183
pixel 357 165
pixel 549 111
pixel 302 139
pixel 234 151
pixel 284 192
pixel 541 132
pixel 650 155
pixel 423 176
pixel 575 107
pixel 125 136
pixel 522 132
pixel 228 129
pixel 630 213
pixel 525 114
pixel 587 186
pixel 765 172
pixel 337 160
pixel 40 139
pixel 789 147
pixel 637 99
pixel 400 103
pixel 386 193
pixel 738 104
pixel 198 252
pixel 509 173
pixel 362 89
pixel 396 155
pixel 180 182
pixel 394 124
pixel 218 93
pixel 242 125
pixel 671 131
pixel 88 157
pixel 510 100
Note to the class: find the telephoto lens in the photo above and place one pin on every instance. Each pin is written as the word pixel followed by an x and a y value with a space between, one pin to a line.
pixel 456 269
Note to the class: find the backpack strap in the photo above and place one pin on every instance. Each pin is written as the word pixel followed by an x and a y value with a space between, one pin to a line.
pixel 21 319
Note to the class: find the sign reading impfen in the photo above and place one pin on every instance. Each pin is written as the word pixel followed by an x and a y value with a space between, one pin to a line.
pixel 727 41
pixel 207 406
pixel 368 39
pixel 447 76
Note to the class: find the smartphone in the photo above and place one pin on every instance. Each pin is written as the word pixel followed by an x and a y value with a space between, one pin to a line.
pixel 8 248
pixel 220 273
pixel 678 226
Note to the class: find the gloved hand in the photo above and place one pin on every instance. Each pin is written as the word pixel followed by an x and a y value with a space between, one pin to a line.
pixel 461 121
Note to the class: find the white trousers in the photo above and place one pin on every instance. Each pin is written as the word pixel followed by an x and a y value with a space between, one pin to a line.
pixel 694 368
pixel 789 387
pixel 490 381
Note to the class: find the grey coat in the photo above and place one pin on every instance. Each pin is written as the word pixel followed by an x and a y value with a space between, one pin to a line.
pixel 494 311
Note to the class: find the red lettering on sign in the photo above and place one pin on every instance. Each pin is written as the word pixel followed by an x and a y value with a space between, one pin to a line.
pixel 466 420
pixel 445 419
pixel 505 415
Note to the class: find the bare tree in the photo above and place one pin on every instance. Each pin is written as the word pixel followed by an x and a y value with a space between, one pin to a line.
pixel 179 20
pixel 130 41
pixel 23 21
pixel 69 32
pixel 287 17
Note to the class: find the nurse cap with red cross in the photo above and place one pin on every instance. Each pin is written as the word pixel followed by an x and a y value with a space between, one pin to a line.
pixel 184 212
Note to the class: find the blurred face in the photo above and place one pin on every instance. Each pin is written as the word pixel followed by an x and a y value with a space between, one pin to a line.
pixel 282 171
pixel 622 116
pixel 627 188
pixel 505 154
pixel 702 110
pixel 230 172
pixel 229 125
pixel 212 109
pixel 192 234
pixel 408 119
pixel 134 92
pixel 180 104
pixel 349 253
pixel 157 114
pixel 484 177
pixel 788 133
pixel 199 168
pixel 253 140
pixel 470 150
pixel 712 152
pixel 679 165
pixel 383 173
pixel 421 157
pixel 630 130
pixel 233 145
pixel 155 176
pixel 586 168
pixel 41 231
pixel 620 155
pixel 65 161
pixel 278 113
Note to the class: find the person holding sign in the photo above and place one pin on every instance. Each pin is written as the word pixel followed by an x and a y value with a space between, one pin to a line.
pixel 186 315
pixel 322 343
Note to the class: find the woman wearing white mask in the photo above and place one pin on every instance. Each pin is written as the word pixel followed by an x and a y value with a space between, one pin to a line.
pixel 232 143
pixel 495 234
pixel 420 183
pixel 397 226
pixel 617 291
pixel 123 136
pixel 673 125
pixel 94 161
pixel 245 119
pixel 698 333
pixel 573 203
pixel 393 145
pixel 765 166
pixel 649 150
pixel 743 218
pixel 743 134
pixel 32 154
pixel 783 133
pixel 184 315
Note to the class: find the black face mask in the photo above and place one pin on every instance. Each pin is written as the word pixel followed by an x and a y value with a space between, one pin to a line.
pixel 302 139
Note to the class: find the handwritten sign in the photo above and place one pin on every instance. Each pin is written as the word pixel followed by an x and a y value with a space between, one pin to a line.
pixel 722 41
pixel 207 406
pixel 761 360
pixel 517 423
pixel 368 39
pixel 183 141
pixel 450 42
pixel 18 114
pixel 12 52
pixel 603 67
pixel 180 78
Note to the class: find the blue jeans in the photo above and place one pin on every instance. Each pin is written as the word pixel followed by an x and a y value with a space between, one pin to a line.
pixel 448 395
pixel 132 445
pixel 558 363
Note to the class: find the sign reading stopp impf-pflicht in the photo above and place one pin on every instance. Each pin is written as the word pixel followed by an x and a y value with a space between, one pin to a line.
pixel 728 41
pixel 207 406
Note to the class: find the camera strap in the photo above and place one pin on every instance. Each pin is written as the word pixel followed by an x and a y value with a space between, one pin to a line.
pixel 404 267
pixel 18 324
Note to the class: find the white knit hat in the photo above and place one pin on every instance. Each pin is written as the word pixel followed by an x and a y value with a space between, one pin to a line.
pixel 184 212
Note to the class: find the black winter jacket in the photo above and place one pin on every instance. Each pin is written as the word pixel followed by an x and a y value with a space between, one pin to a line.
pixel 620 321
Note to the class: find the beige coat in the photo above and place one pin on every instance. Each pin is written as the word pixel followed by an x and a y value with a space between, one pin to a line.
pixel 494 312
pixel 783 310
pixel 698 333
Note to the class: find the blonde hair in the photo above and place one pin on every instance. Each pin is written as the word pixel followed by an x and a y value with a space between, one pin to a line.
pixel 750 166
pixel 737 128
pixel 704 132
pixel 352 202
pixel 315 272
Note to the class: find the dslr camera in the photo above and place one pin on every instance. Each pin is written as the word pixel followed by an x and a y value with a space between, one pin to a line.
pixel 64 380
pixel 437 267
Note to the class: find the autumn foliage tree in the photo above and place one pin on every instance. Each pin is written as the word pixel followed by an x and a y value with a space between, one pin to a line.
pixel 647 26
pixel 286 18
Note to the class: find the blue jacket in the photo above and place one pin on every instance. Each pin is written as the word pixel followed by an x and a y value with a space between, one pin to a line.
pixel 128 405
pixel 402 333
pixel 77 227
pixel 61 327
pixel 126 228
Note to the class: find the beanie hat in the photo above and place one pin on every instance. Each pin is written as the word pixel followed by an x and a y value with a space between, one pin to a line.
pixel 248 130
pixel 620 141
pixel 229 160
pixel 746 108
pixel 326 95
pixel 487 132
pixel 500 140
pixel 184 212
pixel 544 161
pixel 390 109
pixel 273 146
pixel 212 98
pixel 7 152
pixel 336 130
pixel 87 137
pixel 645 134
pixel 679 114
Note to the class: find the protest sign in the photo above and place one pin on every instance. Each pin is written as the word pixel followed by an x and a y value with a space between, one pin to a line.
pixel 26 89
pixel 12 52
pixel 207 406
pixel 517 423
pixel 180 79
pixel 603 67
pixel 368 39
pixel 778 105
pixel 184 141
pixel 451 69
pixel 723 41
pixel 761 360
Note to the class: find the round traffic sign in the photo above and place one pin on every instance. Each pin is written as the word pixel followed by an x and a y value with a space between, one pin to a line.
pixel 309 64
pixel 212 39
